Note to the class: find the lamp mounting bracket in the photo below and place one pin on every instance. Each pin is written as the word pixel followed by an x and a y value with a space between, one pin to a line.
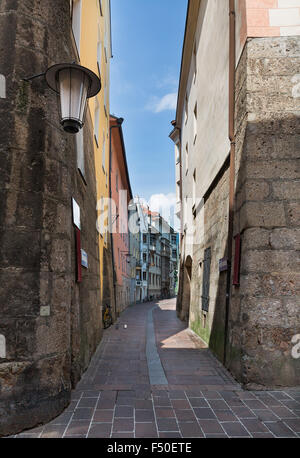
pixel 29 78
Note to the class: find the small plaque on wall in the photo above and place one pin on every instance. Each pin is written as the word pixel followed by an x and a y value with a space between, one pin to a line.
pixel 84 259
pixel 223 265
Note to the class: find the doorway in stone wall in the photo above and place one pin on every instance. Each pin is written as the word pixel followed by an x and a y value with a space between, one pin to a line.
pixel 186 297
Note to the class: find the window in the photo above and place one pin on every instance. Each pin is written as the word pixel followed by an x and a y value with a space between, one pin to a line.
pixel 195 61
pixel 144 238
pixel 105 99
pixel 177 156
pixel 97 121
pixel 195 122
pixel 186 158
pixel 144 257
pixel 103 151
pixel 100 6
pixel 186 110
pixel 105 44
pixel 144 276
pixel 99 51
pixel 194 187
pixel 80 152
pixel 76 22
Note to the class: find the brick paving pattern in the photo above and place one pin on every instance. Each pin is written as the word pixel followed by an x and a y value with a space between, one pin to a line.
pixel 114 399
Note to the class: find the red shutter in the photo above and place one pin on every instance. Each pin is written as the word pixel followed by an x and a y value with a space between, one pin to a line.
pixel 78 255
pixel 237 260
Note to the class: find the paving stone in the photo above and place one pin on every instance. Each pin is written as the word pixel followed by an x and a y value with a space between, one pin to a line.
pixel 177 395
pixel 294 424
pixel 143 404
pixel 262 435
pixel 225 415
pixel 254 404
pixel 26 436
pixel 235 429
pixel 185 415
pixel 91 394
pixel 254 426
pixel 53 431
pixel 211 395
pixel 84 413
pixel 204 414
pixel 194 394
pixel 173 435
pixel 87 402
pixel 218 404
pixel 123 425
pixel 62 419
pixel 162 401
pixel 216 436
pixel 105 404
pixel 283 412
pixel 123 412
pixel 190 429
pixel 211 426
pixel 164 412
pixel 279 429
pixel 145 430
pixel 265 415
pixel 112 395
pixel 99 430
pixel 126 401
pixel 167 424
pixel 280 395
pixel 103 416
pixel 199 402
pixel 78 427
pixel 122 435
pixel 144 415
pixel 245 395
pixel 180 404
pixel 291 404
pixel 243 412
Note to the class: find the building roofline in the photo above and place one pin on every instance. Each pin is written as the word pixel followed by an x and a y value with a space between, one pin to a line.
pixel 191 16
pixel 113 117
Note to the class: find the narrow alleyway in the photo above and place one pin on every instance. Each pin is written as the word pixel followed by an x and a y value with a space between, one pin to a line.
pixel 155 378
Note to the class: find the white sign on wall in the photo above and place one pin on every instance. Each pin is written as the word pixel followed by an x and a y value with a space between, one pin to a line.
pixel 2 346
pixel 76 213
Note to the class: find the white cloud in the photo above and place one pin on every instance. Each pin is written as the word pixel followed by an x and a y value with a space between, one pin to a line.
pixel 167 102
pixel 165 205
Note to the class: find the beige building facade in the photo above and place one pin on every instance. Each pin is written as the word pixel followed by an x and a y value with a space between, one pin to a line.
pixel 237 176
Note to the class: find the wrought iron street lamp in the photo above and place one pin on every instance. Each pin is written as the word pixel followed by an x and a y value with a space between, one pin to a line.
pixel 74 84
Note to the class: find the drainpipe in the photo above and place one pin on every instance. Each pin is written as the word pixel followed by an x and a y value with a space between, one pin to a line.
pixel 181 210
pixel 118 126
pixel 231 132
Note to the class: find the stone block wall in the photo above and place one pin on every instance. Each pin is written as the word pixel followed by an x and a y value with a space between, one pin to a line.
pixel 265 308
pixel 210 325
pixel 50 324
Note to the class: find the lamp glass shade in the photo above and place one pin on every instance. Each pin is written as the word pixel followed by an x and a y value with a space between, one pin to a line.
pixel 73 88
pixel 74 84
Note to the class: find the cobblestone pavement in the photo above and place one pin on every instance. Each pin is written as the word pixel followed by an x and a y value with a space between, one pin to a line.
pixel 115 398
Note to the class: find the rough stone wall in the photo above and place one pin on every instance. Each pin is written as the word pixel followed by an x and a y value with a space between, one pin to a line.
pixel 51 324
pixel 265 308
pixel 210 325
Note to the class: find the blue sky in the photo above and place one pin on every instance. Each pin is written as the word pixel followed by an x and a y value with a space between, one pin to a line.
pixel 147 39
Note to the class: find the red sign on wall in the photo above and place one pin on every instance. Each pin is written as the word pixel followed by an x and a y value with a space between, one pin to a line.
pixel 78 255
pixel 237 260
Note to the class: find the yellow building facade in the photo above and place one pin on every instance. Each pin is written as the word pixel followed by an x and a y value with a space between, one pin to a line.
pixel 91 25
